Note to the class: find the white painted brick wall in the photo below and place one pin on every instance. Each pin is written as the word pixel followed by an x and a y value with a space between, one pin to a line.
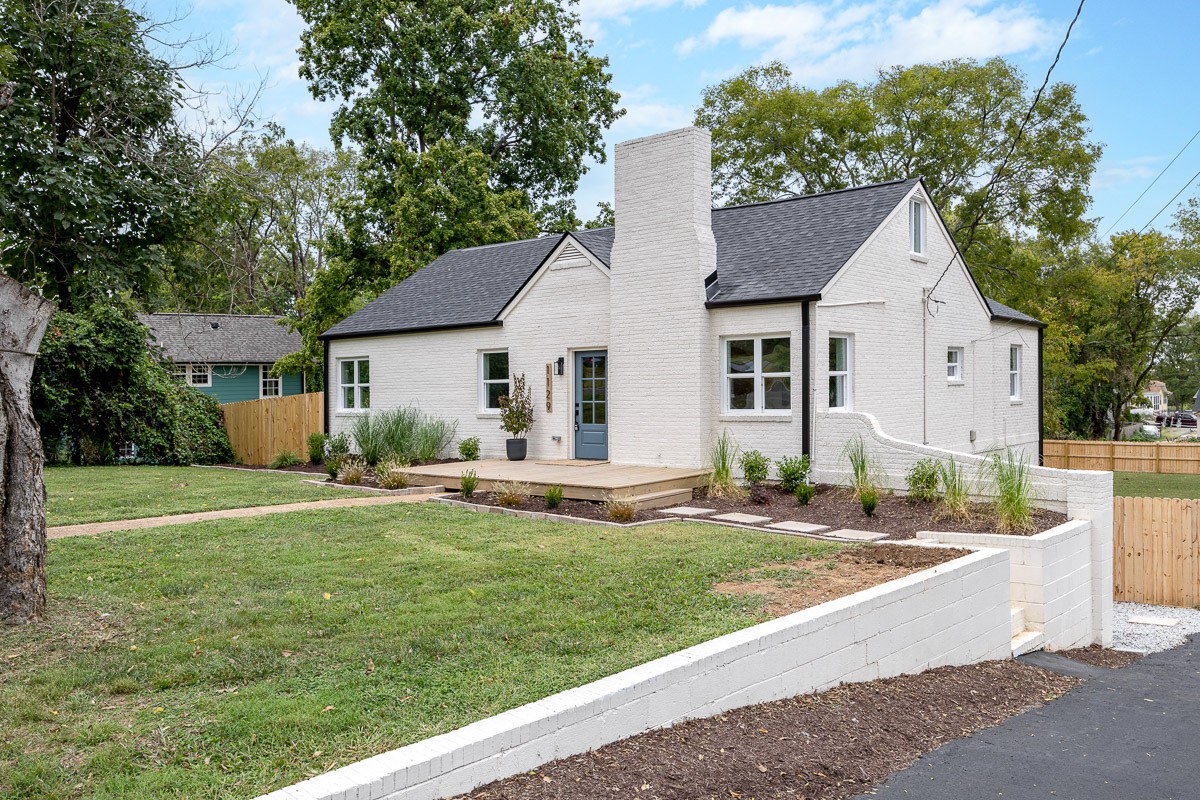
pixel 954 613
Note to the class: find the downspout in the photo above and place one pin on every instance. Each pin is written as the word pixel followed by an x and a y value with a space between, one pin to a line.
pixel 924 366
pixel 1041 402
pixel 805 381
pixel 328 388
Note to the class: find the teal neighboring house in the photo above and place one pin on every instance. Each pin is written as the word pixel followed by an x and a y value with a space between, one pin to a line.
pixel 227 356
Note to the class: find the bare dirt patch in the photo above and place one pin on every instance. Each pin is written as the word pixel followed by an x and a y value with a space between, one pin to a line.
pixel 1098 656
pixel 584 509
pixel 810 582
pixel 828 746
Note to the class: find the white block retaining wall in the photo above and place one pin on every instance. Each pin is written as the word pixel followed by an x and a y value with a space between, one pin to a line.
pixel 1080 494
pixel 1051 576
pixel 954 613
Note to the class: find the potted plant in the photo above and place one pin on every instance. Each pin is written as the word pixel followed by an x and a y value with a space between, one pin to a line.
pixel 516 418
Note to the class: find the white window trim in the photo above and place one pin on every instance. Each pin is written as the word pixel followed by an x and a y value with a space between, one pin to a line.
pixel 918 213
pixel 848 372
pixel 1014 373
pixel 358 387
pixel 264 375
pixel 484 382
pixel 760 377
pixel 960 374
pixel 186 373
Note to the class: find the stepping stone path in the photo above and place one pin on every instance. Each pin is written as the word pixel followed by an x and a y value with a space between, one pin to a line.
pixel 859 536
pixel 744 519
pixel 1165 622
pixel 798 527
pixel 686 511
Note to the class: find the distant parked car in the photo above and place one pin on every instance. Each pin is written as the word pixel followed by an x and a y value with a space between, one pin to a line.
pixel 1183 419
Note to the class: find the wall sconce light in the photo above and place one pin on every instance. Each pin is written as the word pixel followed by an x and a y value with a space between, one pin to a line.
pixel 560 365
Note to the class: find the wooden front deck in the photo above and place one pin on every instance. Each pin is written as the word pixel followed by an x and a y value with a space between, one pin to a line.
pixel 647 487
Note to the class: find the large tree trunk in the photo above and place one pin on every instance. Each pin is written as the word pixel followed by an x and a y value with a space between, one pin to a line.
pixel 23 320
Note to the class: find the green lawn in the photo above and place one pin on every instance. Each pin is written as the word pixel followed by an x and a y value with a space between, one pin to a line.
pixel 101 494
pixel 230 658
pixel 1148 484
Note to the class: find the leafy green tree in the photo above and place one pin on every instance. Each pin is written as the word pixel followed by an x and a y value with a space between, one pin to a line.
pixel 951 123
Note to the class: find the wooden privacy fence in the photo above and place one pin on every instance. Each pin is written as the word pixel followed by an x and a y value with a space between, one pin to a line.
pixel 1164 457
pixel 1156 550
pixel 260 429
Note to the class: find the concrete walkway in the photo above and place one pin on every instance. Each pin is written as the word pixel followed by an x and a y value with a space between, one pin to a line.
pixel 1126 734
pixel 90 528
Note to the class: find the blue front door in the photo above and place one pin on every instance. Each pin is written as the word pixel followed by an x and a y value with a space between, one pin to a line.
pixel 591 405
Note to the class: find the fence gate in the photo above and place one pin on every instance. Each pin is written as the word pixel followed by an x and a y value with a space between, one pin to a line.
pixel 260 429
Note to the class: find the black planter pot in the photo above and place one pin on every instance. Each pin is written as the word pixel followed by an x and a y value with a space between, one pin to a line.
pixel 517 449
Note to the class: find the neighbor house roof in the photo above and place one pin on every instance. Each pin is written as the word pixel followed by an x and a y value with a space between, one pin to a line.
pixel 1001 311
pixel 766 252
pixel 221 338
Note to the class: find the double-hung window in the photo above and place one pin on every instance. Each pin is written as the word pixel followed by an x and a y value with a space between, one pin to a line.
pixel 354 384
pixel 916 215
pixel 954 365
pixel 493 379
pixel 841 372
pixel 268 386
pixel 758 374
pixel 193 374
pixel 1014 372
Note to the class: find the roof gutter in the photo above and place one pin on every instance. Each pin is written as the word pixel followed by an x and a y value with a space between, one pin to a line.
pixel 327 336
pixel 763 301
pixel 1037 323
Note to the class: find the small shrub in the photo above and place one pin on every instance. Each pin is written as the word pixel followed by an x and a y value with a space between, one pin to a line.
pixel 284 459
pixel 554 496
pixel 316 447
pixel 510 493
pixel 923 480
pixel 804 493
pixel 393 474
pixel 621 510
pixel 1014 501
pixel 722 455
pixel 337 445
pixel 956 491
pixel 755 467
pixel 333 465
pixel 869 498
pixel 468 449
pixel 352 470
pixel 793 471
pixel 468 482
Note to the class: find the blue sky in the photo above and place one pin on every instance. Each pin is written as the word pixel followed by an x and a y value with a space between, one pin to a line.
pixel 1133 64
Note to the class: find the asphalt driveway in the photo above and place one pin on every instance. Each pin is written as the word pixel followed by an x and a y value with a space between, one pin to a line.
pixel 1125 734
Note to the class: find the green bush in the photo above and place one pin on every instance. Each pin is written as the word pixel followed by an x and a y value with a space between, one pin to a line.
pixel 923 478
pixel 284 459
pixel 468 449
pixel 333 464
pixel 755 467
pixel 869 498
pixel 405 433
pixel 337 449
pixel 554 496
pixel 316 447
pixel 804 493
pixel 793 471
pixel 468 482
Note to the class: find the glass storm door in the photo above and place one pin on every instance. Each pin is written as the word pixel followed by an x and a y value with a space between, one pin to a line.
pixel 591 405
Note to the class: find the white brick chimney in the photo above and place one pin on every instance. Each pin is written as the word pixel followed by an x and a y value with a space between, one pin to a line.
pixel 662 358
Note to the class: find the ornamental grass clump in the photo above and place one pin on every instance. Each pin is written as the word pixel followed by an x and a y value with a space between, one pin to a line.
pixel 955 501
pixel 554 496
pixel 869 499
pixel 352 470
pixel 923 478
pixel 793 471
pixel 510 493
pixel 408 434
pixel 621 510
pixel 284 459
pixel 1014 491
pixel 723 455
pixel 468 482
pixel 862 468
pixel 392 473
pixel 755 468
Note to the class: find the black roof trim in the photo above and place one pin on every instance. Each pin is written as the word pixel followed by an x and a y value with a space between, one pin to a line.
pixel 492 323
pixel 762 301
pixel 892 182
pixel 999 311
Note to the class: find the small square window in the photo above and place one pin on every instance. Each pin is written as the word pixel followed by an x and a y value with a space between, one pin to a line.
pixel 758 374
pixel 354 378
pixel 954 364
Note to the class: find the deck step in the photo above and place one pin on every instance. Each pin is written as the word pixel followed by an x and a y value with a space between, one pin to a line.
pixel 670 497
pixel 1027 642
pixel 1018 620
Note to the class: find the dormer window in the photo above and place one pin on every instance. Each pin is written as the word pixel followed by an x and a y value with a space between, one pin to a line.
pixel 916 226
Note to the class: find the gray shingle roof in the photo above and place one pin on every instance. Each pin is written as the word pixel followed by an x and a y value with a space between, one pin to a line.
pixel 236 339
pixel 778 250
pixel 1001 311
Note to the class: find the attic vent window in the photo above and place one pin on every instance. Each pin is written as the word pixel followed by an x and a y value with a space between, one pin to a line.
pixel 916 214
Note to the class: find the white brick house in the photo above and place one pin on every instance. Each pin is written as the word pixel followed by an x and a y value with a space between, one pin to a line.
pixel 643 342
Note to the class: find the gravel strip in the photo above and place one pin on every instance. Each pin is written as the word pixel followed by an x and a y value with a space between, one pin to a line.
pixel 1152 638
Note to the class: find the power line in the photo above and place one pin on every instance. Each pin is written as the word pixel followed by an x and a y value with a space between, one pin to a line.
pixel 1151 186
pixel 1169 202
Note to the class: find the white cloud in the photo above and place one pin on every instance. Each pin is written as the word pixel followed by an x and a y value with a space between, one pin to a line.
pixel 1115 173
pixel 835 40
pixel 646 112
pixel 621 9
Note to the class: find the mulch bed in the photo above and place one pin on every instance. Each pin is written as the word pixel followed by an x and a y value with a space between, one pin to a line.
pixel 585 509
pixel 836 507
pixel 832 745
pixel 803 584
pixel 1098 656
